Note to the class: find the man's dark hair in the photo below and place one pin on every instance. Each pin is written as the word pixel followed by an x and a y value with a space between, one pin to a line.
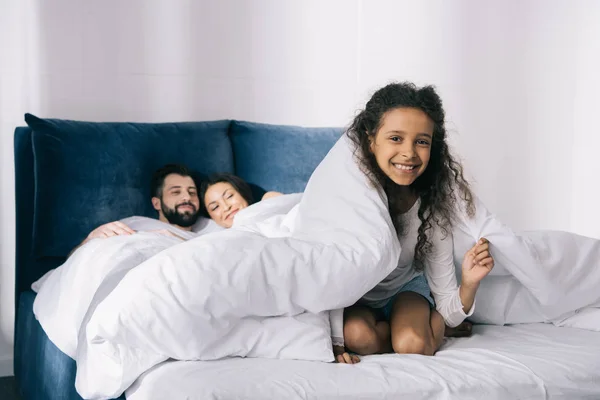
pixel 158 178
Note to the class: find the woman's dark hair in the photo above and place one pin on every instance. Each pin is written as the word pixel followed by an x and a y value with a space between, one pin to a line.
pixel 442 182
pixel 158 178
pixel 238 184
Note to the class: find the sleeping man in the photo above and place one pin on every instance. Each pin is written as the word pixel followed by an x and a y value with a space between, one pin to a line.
pixel 174 197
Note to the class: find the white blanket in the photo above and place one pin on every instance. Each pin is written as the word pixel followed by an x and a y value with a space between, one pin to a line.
pixel 214 296
pixel 65 293
pixel 199 300
pixel 540 276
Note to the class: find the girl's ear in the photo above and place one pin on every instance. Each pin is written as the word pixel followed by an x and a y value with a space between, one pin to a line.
pixel 371 141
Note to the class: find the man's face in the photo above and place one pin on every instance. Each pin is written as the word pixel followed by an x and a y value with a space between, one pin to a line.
pixel 179 204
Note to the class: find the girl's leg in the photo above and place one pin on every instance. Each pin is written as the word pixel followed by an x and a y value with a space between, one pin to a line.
pixel 438 327
pixel 363 334
pixel 416 329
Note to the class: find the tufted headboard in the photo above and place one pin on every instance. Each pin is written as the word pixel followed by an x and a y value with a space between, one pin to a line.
pixel 72 176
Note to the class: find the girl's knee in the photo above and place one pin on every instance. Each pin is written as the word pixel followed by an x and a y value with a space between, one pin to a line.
pixel 410 342
pixel 360 336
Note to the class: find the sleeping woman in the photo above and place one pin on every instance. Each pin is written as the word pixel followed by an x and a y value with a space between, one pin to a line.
pixel 223 195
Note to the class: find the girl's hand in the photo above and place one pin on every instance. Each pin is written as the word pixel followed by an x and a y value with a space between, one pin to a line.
pixel 477 263
pixel 343 357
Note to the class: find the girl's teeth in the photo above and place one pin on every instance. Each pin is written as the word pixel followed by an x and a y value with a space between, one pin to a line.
pixel 404 167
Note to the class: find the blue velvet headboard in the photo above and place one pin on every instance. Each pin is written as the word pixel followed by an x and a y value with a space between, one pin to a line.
pixel 72 176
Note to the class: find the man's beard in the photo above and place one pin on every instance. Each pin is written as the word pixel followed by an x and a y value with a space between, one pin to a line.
pixel 185 219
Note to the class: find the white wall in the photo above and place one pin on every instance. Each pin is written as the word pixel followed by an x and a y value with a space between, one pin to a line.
pixel 519 81
pixel 13 99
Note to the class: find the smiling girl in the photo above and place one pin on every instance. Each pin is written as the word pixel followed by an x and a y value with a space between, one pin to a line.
pixel 401 146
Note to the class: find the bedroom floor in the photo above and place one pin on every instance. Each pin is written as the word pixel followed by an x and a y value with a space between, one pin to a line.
pixel 8 388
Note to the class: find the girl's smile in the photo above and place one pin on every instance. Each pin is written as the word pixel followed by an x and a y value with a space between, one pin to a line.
pixel 402 145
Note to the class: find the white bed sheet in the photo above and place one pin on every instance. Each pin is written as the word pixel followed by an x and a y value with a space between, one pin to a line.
pixel 532 361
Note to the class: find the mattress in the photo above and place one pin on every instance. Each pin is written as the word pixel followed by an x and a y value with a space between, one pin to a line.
pixel 533 361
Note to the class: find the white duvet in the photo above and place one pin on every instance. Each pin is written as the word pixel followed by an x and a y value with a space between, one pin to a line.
pixel 65 293
pixel 208 298
pixel 263 288
pixel 539 276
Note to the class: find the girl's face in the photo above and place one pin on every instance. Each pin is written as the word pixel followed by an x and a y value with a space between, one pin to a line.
pixel 402 145
pixel 222 202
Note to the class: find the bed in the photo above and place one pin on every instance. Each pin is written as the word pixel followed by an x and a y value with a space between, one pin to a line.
pixel 530 361
pixel 72 176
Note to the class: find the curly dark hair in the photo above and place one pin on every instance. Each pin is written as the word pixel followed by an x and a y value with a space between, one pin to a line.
pixel 442 181
pixel 242 187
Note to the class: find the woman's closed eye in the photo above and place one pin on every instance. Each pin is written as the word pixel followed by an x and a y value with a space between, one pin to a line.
pixel 214 208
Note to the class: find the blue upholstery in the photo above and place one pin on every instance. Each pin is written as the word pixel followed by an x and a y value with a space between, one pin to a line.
pixel 47 373
pixel 89 173
pixel 27 270
pixel 277 157
pixel 72 176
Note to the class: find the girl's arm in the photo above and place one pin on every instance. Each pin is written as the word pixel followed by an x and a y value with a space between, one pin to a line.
pixel 454 303
pixel 336 319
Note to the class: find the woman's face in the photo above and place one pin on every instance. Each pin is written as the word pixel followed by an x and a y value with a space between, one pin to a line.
pixel 223 201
